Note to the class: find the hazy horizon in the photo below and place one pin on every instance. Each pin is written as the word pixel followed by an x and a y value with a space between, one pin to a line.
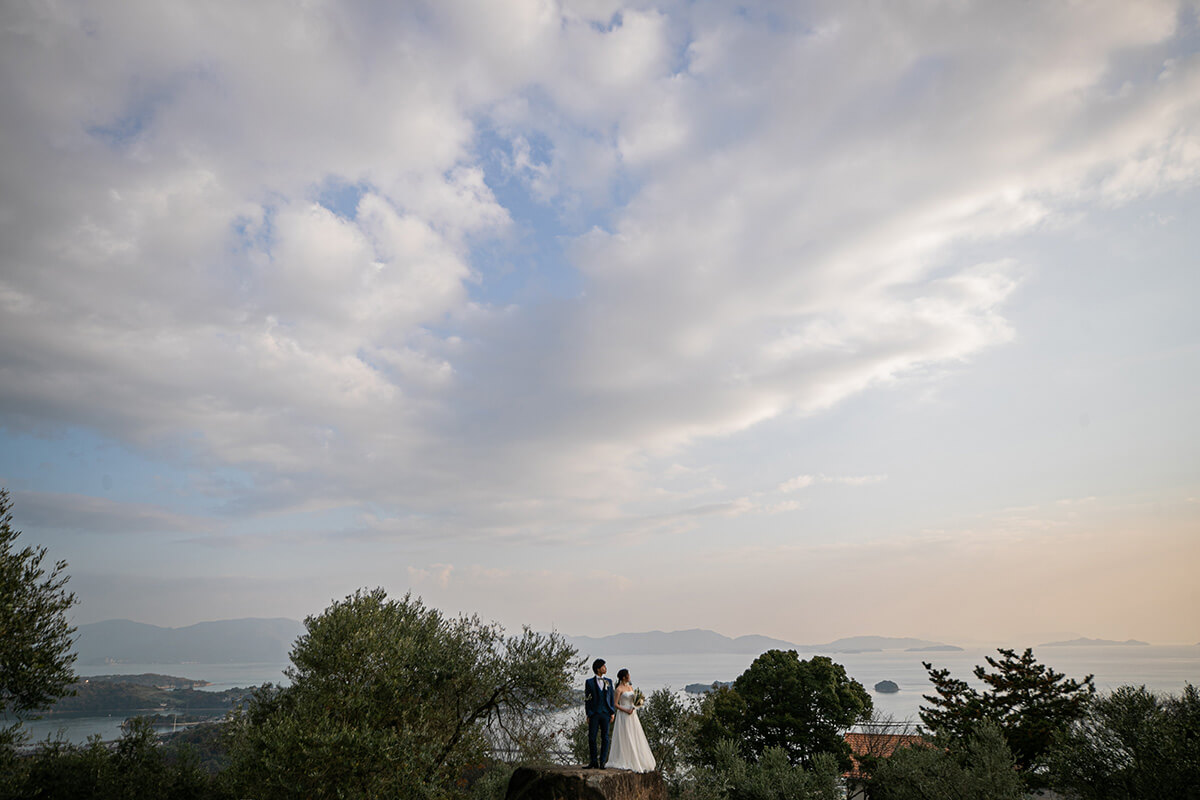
pixel 1034 639
pixel 600 316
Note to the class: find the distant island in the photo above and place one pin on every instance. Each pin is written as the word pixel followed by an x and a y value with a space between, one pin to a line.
pixel 698 640
pixel 1084 642
pixel 887 687
pixel 686 642
pixel 874 644
pixel 935 648
pixel 705 688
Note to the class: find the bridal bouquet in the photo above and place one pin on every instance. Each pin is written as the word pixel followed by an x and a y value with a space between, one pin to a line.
pixel 639 699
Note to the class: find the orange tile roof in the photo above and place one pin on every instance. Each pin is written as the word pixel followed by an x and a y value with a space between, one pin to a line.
pixel 880 745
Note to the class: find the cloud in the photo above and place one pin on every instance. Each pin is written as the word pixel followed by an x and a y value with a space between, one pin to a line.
pixel 57 511
pixel 797 483
pixel 437 574
pixel 766 217
pixel 804 481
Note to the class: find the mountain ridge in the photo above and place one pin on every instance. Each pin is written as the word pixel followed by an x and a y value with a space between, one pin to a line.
pixel 245 640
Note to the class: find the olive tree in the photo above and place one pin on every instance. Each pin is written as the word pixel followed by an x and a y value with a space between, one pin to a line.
pixel 389 698
pixel 36 655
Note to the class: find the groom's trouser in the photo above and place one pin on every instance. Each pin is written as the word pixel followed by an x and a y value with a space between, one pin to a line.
pixel 599 723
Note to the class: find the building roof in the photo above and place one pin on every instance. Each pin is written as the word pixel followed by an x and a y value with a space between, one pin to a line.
pixel 879 745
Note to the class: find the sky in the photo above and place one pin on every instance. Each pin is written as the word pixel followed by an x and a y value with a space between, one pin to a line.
pixel 799 319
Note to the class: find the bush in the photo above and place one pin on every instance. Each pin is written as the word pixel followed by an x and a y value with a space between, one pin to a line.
pixel 1132 744
pixel 974 765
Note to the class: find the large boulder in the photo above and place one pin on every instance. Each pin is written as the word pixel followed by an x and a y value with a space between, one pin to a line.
pixel 577 783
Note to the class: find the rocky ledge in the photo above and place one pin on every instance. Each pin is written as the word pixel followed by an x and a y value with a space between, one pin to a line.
pixel 577 783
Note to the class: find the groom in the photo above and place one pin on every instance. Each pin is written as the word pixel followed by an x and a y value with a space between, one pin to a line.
pixel 601 711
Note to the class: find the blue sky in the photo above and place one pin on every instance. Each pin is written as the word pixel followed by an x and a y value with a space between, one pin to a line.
pixel 806 320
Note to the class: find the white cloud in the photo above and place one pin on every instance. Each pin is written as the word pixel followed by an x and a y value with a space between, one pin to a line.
pixel 781 210
pixel 796 483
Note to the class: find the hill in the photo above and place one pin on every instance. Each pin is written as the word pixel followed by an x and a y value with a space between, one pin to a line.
pixel 245 641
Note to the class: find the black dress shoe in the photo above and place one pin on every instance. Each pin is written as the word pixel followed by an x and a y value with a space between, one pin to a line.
pixel 591 766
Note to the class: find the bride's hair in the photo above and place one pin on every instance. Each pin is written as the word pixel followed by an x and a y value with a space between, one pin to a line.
pixel 623 674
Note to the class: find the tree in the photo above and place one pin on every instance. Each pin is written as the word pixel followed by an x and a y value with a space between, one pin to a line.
pixel 1031 704
pixel 974 765
pixel 666 720
pixel 389 698
pixel 721 716
pixel 799 707
pixel 36 655
pixel 1132 744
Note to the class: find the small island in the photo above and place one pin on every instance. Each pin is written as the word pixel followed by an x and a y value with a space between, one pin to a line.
pixel 705 688
pixel 936 648
pixel 887 687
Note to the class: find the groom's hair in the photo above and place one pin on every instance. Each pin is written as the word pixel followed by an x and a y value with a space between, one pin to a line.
pixel 597 664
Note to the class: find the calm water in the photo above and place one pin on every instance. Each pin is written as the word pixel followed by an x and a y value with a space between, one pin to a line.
pixel 1159 668
pixel 222 676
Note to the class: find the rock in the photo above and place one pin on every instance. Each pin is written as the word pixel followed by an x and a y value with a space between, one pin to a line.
pixel 887 687
pixel 577 783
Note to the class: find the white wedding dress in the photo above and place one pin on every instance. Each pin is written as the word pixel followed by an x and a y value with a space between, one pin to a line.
pixel 629 750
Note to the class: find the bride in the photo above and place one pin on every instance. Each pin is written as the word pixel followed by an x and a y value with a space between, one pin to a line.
pixel 630 750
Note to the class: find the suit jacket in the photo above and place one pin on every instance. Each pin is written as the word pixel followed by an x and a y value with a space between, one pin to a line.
pixel 598 697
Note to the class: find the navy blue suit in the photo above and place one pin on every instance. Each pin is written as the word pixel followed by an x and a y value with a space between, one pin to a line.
pixel 600 706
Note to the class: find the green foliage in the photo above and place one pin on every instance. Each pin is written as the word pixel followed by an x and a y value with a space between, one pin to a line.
pixel 392 699
pixel 36 655
pixel 976 764
pixel 721 717
pixel 577 738
pixel 666 720
pixel 1031 703
pixel 800 707
pixel 137 768
pixel 771 777
pixel 1132 744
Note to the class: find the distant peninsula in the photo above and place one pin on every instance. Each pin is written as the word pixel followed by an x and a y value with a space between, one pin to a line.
pixel 147 693
pixel 1084 642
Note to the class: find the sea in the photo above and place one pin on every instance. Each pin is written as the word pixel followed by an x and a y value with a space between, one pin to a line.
pixel 1160 668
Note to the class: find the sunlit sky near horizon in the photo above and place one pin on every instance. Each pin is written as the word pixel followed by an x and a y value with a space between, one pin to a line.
pixel 800 319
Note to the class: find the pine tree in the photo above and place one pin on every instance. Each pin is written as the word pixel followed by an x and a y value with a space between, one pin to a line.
pixel 1029 701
